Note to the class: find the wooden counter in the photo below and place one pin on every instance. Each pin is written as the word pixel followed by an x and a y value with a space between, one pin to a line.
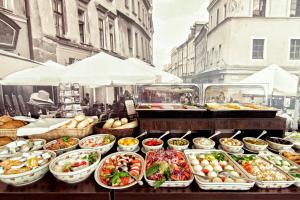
pixel 49 188
pixel 195 193
pixel 212 124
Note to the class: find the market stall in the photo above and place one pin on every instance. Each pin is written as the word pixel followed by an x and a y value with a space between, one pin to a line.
pixel 241 152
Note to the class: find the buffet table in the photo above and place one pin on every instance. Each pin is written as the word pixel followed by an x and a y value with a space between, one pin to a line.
pixel 50 188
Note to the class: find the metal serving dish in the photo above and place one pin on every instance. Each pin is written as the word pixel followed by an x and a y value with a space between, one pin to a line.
pixel 224 112
pixel 160 110
pixel 205 185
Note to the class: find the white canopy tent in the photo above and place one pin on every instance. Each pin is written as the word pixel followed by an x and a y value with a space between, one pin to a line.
pixel 11 63
pixel 165 77
pixel 103 69
pixel 280 82
pixel 47 73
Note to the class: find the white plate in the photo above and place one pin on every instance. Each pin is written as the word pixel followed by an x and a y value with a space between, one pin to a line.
pixel 239 152
pixel 134 151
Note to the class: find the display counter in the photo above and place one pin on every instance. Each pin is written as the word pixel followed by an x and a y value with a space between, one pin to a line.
pixel 193 192
pixel 50 188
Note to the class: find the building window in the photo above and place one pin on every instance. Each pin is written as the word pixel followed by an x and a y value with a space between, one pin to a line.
pixel 295 49
pixel 211 22
pixel 129 35
pixel 217 16
pixel 142 42
pixel 295 8
pixel 58 17
pixel 2 3
pixel 133 6
pixel 136 45
pixel 101 32
pixel 111 37
pixel 143 16
pixel 81 22
pixel 126 4
pixel 139 10
pixel 259 8
pixel 225 11
pixel 212 56
pixel 258 48
pixel 220 52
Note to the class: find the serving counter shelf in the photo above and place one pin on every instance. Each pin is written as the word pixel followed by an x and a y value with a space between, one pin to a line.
pixel 212 124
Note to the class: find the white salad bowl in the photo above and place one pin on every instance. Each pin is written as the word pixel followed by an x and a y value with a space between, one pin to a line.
pixel 28 177
pixel 102 149
pixel 75 176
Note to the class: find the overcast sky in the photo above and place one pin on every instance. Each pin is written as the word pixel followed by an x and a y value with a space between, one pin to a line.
pixel 172 21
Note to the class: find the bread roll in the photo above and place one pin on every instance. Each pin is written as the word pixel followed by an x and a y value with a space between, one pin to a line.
pixel 79 118
pixel 124 121
pixel 12 124
pixel 108 123
pixel 83 124
pixel 117 124
pixel 72 124
pixel 5 140
pixel 91 120
pixel 5 118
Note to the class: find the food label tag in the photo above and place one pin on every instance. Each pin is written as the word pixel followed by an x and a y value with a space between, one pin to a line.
pixel 130 107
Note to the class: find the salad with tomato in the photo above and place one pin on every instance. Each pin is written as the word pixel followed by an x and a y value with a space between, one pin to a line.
pixel 169 165
pixel 120 170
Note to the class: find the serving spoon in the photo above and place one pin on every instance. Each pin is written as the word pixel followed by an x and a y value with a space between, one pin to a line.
pixel 187 133
pixel 237 133
pixel 145 133
pixel 166 133
pixel 216 133
pixel 263 133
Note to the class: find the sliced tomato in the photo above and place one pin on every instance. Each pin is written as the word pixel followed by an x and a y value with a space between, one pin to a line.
pixel 106 171
pixel 205 171
pixel 125 180
pixel 135 161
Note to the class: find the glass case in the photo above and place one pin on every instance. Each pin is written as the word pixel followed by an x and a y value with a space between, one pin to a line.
pixel 168 101
pixel 168 94
pixel 234 93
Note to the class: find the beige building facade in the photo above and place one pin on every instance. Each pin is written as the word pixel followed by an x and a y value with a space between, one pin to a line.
pixel 69 30
pixel 183 57
pixel 245 36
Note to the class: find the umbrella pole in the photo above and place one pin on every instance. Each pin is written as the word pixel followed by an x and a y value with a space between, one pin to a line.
pixel 2 98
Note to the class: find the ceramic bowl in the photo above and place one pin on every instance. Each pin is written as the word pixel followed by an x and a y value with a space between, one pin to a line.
pixel 39 143
pixel 230 148
pixel 278 146
pixel 61 151
pixel 128 148
pixel 29 177
pixel 255 147
pixel 102 149
pixel 203 146
pixel 178 147
pixel 152 148
pixel 76 176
